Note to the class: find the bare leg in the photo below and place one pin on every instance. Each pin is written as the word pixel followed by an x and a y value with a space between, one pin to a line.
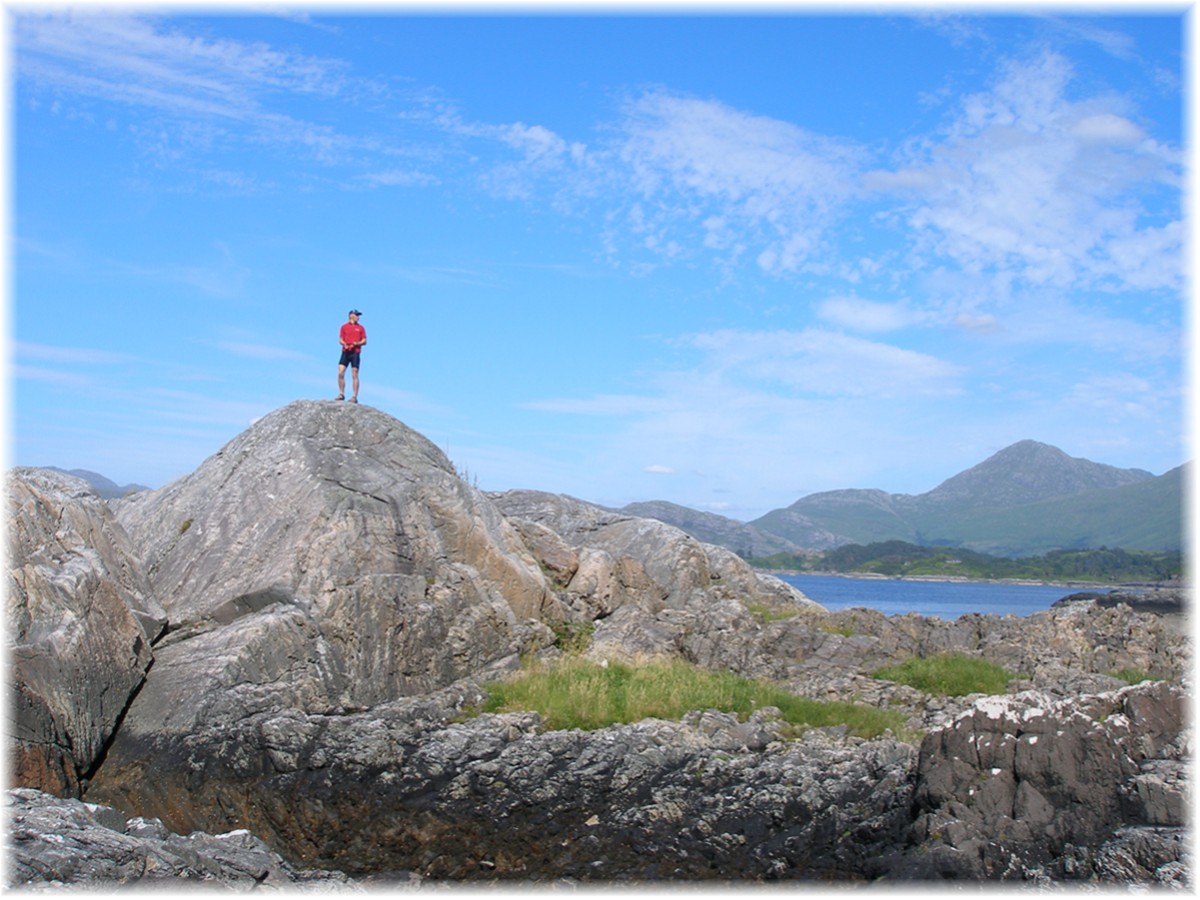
pixel 342 381
pixel 354 372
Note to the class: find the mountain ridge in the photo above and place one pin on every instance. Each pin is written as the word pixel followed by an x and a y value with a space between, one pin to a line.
pixel 1026 499
pixel 104 487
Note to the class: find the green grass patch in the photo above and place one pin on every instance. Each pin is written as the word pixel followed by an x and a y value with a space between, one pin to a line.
pixel 831 628
pixel 770 613
pixel 1132 676
pixel 579 693
pixel 949 674
pixel 571 637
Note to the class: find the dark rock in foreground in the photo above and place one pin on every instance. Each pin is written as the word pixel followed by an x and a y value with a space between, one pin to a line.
pixel 56 843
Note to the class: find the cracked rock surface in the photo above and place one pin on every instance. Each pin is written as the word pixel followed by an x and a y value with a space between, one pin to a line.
pixel 287 646
pixel 61 843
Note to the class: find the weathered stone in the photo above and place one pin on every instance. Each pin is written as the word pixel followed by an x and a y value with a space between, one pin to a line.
pixel 54 843
pixel 81 620
pixel 404 787
pixel 653 589
pixel 338 598
pixel 1026 778
pixel 327 558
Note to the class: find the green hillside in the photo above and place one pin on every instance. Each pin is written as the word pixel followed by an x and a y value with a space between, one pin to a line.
pixel 1146 515
pixel 862 516
pixel 896 559
pixel 1027 499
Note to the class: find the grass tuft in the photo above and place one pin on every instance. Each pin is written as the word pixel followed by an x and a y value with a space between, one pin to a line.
pixel 949 674
pixel 772 613
pixel 580 693
pixel 1132 676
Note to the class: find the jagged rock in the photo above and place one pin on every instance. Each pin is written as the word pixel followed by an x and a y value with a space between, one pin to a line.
pixel 405 787
pixel 81 620
pixel 1019 783
pixel 328 559
pixel 687 597
pixel 56 843
pixel 1063 651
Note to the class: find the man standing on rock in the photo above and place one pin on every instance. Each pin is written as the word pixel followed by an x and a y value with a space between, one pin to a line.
pixel 353 337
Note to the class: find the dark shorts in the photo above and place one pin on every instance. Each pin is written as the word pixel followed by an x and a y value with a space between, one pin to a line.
pixel 349 358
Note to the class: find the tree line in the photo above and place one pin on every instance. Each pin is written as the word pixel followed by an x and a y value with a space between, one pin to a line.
pixel 900 558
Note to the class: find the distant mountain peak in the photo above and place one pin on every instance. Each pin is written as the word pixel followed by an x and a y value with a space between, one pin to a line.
pixel 104 487
pixel 1027 498
pixel 1027 472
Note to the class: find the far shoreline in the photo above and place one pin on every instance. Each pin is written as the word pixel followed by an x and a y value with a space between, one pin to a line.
pixel 963 579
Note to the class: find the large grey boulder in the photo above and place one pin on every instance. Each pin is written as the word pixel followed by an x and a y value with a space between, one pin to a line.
pixel 81 620
pixel 327 558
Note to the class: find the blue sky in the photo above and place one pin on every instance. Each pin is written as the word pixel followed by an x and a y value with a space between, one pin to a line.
pixel 720 260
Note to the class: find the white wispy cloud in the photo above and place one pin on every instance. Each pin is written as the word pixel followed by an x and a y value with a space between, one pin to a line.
pixel 1057 320
pixel 1034 190
pixel 1121 396
pixel 1029 184
pixel 825 363
pixel 858 314
pixel 746 185
pixel 188 95
pixel 139 61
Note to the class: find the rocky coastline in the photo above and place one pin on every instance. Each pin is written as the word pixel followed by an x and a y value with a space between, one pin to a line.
pixel 265 675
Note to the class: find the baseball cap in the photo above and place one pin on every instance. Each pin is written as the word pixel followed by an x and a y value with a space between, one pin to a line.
pixel 354 312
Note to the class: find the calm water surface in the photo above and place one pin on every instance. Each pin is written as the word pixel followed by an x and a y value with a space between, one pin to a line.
pixel 947 599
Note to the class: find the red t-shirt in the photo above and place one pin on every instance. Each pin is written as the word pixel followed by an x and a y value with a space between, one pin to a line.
pixel 351 334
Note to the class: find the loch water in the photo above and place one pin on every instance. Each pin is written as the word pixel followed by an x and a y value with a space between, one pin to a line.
pixel 945 599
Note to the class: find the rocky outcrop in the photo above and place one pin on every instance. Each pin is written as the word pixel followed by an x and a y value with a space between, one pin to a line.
pixel 651 588
pixel 1020 785
pixel 1062 652
pixel 1167 601
pixel 55 843
pixel 328 558
pixel 407 787
pixel 411 786
pixel 338 599
pixel 81 620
